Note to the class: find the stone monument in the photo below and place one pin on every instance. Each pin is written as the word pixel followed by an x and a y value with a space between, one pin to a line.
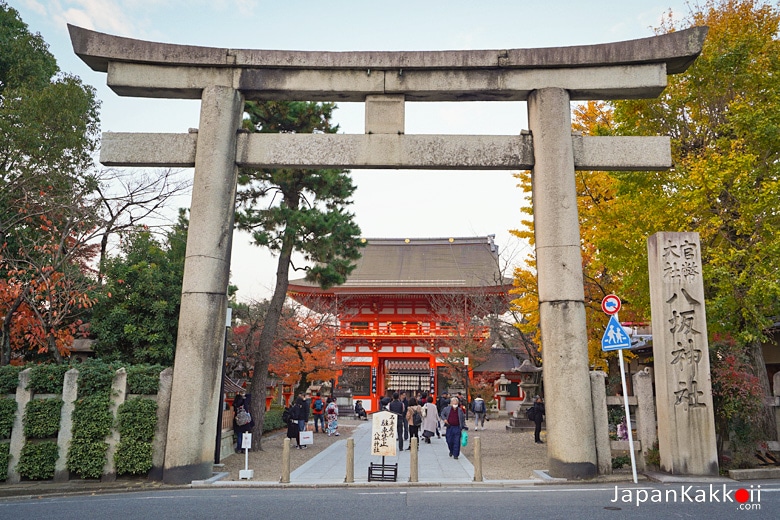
pixel 686 420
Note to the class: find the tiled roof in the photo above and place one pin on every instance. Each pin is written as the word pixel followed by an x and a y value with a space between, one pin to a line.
pixel 424 263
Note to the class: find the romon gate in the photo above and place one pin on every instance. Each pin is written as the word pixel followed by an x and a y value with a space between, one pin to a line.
pixel 548 79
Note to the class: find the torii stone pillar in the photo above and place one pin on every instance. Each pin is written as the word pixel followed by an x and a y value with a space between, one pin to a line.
pixel 571 435
pixel 385 81
pixel 197 384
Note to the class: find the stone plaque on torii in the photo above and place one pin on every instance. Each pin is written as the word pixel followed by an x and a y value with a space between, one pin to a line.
pixel 548 79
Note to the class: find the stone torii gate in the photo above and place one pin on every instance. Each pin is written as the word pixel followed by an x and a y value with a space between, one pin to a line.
pixel 548 79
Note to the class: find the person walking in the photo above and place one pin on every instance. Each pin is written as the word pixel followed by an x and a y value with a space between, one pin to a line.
pixel 414 419
pixel 317 412
pixel 455 420
pixel 441 403
pixel 302 421
pixel 538 418
pixel 397 407
pixel 295 412
pixel 430 421
pixel 479 409
pixel 332 411
pixel 241 402
pixel 405 401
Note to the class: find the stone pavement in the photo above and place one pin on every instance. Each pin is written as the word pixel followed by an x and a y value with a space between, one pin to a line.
pixel 434 463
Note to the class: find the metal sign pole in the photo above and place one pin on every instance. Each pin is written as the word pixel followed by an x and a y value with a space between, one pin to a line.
pixel 628 415
pixel 615 338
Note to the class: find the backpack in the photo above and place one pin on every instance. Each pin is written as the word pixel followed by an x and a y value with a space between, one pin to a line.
pixel 479 406
pixel 531 414
pixel 286 416
pixel 416 418
pixel 318 405
pixel 242 417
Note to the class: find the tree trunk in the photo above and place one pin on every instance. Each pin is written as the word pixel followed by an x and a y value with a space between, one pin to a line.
pixel 767 424
pixel 267 336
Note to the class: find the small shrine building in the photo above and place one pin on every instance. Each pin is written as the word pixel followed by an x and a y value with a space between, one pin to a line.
pixel 391 332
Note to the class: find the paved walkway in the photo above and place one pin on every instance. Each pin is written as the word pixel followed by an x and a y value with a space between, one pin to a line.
pixel 434 463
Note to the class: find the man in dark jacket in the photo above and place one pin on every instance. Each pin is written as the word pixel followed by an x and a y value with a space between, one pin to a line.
pixel 538 418
pixel 397 407
pixel 455 420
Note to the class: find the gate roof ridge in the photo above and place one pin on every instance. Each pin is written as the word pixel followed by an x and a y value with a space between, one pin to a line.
pixel 677 49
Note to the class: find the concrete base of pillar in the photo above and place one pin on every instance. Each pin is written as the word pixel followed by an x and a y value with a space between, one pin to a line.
pixel 186 474
pixel 572 470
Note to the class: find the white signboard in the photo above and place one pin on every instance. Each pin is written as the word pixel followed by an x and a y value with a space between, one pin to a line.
pixel 383 432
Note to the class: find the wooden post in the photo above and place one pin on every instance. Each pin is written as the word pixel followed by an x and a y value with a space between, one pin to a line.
pixel 285 462
pixel 477 459
pixel 350 478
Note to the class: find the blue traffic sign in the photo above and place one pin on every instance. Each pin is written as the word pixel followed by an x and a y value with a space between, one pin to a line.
pixel 615 337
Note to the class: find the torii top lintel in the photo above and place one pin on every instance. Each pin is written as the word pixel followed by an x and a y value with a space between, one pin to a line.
pixel 266 74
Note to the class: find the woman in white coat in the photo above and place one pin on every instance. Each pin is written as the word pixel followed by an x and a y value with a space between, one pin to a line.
pixel 430 420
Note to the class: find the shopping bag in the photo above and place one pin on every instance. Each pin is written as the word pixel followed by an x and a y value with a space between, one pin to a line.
pixel 306 438
pixel 464 437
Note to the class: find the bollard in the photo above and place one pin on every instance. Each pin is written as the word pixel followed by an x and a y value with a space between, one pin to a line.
pixel 350 478
pixel 285 462
pixel 477 459
pixel 413 461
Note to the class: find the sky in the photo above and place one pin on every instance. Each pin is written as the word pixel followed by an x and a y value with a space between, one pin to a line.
pixel 387 203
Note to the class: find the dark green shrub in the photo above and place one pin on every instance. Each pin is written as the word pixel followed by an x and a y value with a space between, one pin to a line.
pixel 92 421
pixel 136 420
pixel 619 462
pixel 653 456
pixel 273 420
pixel 47 379
pixel 133 457
pixel 7 414
pixel 37 460
pixel 87 458
pixel 9 378
pixel 95 377
pixel 42 418
pixel 5 458
pixel 143 379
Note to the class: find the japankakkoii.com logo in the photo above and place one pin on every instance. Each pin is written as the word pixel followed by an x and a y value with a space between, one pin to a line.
pixel 745 498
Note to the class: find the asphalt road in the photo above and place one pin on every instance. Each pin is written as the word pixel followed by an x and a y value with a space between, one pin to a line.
pixel 580 502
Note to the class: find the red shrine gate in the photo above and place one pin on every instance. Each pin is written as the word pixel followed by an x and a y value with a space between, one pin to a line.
pixel 393 334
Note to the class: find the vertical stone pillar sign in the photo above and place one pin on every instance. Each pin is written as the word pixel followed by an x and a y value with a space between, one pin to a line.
pixel 686 421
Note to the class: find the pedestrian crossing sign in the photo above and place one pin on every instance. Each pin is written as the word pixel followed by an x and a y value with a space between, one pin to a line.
pixel 615 337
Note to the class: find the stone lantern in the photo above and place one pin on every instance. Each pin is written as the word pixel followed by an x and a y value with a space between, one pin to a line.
pixel 503 392
pixel 529 380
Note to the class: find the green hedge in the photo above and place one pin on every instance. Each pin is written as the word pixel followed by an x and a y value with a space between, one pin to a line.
pixel 7 414
pixel 143 379
pixel 95 377
pixel 92 421
pixel 9 378
pixel 5 458
pixel 273 419
pixel 47 379
pixel 136 421
pixel 42 418
pixel 37 460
